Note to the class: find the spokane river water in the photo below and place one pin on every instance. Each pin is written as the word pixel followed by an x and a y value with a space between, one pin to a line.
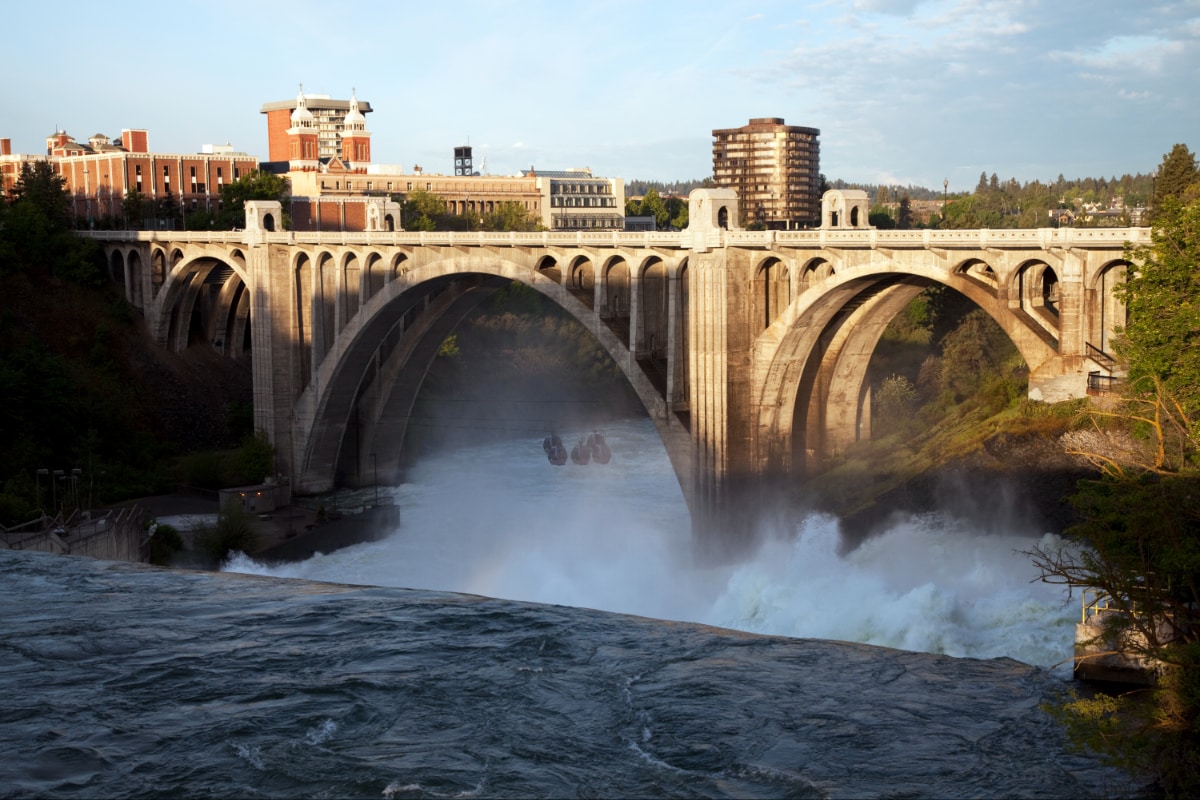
pixel 541 631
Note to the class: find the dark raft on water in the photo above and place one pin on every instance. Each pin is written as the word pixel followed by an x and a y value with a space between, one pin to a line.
pixel 594 448
pixel 555 451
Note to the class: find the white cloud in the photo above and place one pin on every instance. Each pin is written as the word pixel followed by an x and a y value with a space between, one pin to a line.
pixel 1142 53
pixel 899 8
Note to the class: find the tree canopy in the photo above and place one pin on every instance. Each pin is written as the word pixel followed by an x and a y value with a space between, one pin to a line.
pixel 1177 177
pixel 668 212
pixel 35 229
pixel 1161 340
pixel 255 185
pixel 428 211
pixel 510 215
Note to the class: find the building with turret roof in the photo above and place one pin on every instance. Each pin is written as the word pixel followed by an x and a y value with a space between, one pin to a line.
pixel 328 117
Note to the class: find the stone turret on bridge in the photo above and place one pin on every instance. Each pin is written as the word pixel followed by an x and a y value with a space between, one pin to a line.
pixel 749 349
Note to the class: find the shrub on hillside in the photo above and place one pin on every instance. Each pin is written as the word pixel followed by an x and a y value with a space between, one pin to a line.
pixel 232 532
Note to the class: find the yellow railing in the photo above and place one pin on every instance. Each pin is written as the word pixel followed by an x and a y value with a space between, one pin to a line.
pixel 1094 602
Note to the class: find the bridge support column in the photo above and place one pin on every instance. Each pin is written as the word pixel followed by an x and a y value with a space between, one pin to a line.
pixel 726 480
pixel 273 330
pixel 636 329
pixel 677 372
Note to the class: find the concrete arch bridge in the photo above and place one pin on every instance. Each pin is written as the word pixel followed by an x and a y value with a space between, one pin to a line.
pixel 749 349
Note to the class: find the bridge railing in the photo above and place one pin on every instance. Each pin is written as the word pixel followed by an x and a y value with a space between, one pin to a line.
pixel 1042 238
pixel 223 237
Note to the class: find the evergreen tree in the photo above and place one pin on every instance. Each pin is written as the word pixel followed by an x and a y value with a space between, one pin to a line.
pixel 904 218
pixel 43 189
pixel 1161 341
pixel 1176 176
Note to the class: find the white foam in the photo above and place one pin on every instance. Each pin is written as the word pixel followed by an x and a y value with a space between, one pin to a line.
pixel 500 521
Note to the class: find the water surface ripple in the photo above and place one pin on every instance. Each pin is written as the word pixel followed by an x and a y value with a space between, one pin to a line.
pixel 121 680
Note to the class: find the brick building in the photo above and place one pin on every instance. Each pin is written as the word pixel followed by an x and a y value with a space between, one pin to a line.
pixel 328 119
pixel 99 174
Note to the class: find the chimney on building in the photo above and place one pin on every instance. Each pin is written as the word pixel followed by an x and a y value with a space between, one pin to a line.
pixel 5 147
pixel 135 141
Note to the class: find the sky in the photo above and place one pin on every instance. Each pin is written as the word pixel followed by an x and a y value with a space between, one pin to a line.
pixel 903 92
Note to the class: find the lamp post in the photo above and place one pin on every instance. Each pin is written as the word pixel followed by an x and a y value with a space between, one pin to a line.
pixel 87 196
pixel 945 196
pixel 1153 188
pixel 40 473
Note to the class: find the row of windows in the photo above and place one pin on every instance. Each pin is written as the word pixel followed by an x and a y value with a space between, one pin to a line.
pixel 583 202
pixel 581 223
pixel 579 188
pixel 765 155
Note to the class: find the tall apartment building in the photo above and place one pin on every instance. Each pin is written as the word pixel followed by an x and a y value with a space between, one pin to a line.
pixel 774 168
pixel 328 121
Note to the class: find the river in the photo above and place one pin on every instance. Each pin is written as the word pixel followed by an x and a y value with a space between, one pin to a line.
pixel 541 631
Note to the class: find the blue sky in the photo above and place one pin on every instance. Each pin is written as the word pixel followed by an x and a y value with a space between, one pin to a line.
pixel 902 91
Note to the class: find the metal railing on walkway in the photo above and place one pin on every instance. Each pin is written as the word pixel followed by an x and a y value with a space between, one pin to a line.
pixel 1099 383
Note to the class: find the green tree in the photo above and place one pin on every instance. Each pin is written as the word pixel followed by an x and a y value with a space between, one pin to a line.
pixel 167 210
pixel 133 208
pixel 233 532
pixel 653 206
pixel 677 211
pixel 1176 176
pixel 1138 544
pixel 510 216
pixel 255 185
pixel 1161 340
pixel 970 352
pixel 895 402
pixel 40 187
pixel 37 234
pixel 881 217
pixel 904 217
pixel 254 461
pixel 424 211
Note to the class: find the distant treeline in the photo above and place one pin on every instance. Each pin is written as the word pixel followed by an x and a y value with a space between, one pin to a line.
pixel 1131 190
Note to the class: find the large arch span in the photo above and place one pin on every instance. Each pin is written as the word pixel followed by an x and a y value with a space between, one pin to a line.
pixel 327 405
